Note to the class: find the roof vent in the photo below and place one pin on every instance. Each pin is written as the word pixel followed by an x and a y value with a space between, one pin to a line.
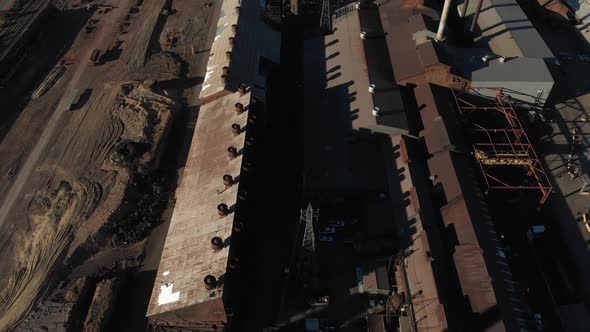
pixel 239 108
pixel 232 152
pixel 217 243
pixel 222 210
pixel 231 41
pixel 376 111
pixel 485 58
pixel 242 89
pixel 502 59
pixel 250 141
pixel 224 79
pixel 233 263
pixel 234 28
pixel 246 166
pixel 243 195
pixel 237 9
pixel 371 88
pixel 238 226
pixel 357 5
pixel 236 129
pixel 210 282
pixel 252 119
pixel 228 180
pixel 228 55
pixel 363 34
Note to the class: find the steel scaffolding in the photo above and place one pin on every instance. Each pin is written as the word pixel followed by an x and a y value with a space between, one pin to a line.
pixel 502 147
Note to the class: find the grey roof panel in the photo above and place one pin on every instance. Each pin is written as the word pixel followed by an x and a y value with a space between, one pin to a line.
pixel 514 70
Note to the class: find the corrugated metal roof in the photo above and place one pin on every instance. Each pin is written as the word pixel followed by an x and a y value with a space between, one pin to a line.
pixel 473 275
pixel 253 39
pixel 437 112
pixel 187 256
pixel 359 63
pixel 514 70
pixel 466 211
pixel 402 49
pixel 507 31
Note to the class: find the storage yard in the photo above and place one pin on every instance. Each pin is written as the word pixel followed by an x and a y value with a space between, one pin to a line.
pixel 226 165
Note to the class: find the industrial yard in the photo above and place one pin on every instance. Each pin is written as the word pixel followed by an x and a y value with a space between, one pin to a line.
pixel 241 165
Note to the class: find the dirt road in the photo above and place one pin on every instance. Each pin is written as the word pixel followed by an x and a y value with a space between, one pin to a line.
pixel 107 29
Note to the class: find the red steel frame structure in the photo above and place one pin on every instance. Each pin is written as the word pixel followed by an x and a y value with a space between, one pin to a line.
pixel 507 146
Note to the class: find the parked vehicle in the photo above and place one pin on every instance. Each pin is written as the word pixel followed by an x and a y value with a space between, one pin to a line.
pixel 326 238
pixel 328 230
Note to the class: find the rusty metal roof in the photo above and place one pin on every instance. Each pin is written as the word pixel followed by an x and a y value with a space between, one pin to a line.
pixel 421 277
pixel 402 49
pixel 476 283
pixel 478 254
pixel 437 112
pixel 188 256
pixel 401 23
pixel 354 63
pixel 418 265
pixel 253 39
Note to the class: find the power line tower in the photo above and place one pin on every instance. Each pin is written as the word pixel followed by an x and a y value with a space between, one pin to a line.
pixel 326 17
pixel 307 260
pixel 309 217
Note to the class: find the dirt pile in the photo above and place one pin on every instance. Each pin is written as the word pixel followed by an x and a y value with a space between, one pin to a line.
pixel 63 311
pixel 140 110
pixel 54 218
pixel 139 116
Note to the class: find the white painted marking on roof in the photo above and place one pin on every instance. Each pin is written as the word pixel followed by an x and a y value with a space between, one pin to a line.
pixel 166 295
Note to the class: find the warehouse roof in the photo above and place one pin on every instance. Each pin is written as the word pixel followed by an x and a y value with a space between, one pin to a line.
pixel 401 24
pixel 514 70
pixel 188 256
pixel 478 254
pixel 253 40
pixel 507 31
pixel 355 63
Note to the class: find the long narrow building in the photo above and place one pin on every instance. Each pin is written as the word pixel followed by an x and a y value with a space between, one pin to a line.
pixel 193 286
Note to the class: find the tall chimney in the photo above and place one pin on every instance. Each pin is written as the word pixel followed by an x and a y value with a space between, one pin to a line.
pixel 443 21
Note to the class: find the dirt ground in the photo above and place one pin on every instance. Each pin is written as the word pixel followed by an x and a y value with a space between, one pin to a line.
pixel 83 184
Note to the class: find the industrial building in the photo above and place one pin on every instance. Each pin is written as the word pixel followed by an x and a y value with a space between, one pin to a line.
pixel 405 133
pixel 451 270
pixel 193 286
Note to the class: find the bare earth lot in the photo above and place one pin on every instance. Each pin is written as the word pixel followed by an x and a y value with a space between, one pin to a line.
pixel 81 187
